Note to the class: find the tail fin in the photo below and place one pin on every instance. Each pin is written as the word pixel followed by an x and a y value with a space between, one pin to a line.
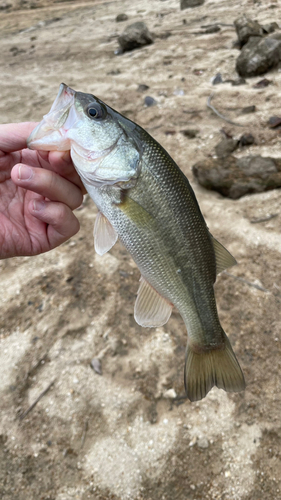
pixel 217 367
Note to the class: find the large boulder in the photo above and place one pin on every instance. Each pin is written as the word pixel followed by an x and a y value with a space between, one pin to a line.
pixel 245 28
pixel 135 35
pixel 235 177
pixel 258 56
pixel 187 4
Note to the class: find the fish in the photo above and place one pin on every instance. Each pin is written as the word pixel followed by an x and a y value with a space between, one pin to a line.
pixel 145 200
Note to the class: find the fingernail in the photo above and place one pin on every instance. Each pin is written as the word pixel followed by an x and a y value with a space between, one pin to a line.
pixel 38 205
pixel 25 173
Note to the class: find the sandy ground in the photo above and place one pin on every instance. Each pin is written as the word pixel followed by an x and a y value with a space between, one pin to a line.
pixel 117 435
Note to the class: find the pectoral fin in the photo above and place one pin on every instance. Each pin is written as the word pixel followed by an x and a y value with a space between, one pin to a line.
pixel 224 259
pixel 104 234
pixel 151 309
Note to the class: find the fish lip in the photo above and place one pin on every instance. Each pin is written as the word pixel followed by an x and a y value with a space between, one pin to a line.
pixel 62 105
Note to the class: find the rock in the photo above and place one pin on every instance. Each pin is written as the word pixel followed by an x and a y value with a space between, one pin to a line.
pixel 245 28
pixel 121 17
pixel 203 443
pixel 212 29
pixel 274 121
pixel 191 133
pixel 248 109
pixel 258 56
pixel 96 365
pixel 149 101
pixel 217 79
pixel 170 394
pixel 262 83
pixel 142 87
pixel 226 147
pixel 276 36
pixel 135 35
pixel 187 4
pixel 269 28
pixel 235 177
pixel 246 140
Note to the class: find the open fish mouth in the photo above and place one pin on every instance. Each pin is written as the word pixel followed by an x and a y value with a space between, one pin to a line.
pixel 51 133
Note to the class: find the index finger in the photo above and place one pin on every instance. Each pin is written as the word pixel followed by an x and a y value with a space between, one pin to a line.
pixel 13 136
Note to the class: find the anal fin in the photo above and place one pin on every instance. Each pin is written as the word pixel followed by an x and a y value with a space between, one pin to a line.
pixel 224 259
pixel 151 309
pixel 104 234
pixel 216 367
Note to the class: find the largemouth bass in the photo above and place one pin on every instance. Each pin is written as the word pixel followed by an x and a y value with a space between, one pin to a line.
pixel 144 199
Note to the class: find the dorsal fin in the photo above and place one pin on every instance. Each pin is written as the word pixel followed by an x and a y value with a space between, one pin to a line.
pixel 151 309
pixel 224 259
pixel 104 234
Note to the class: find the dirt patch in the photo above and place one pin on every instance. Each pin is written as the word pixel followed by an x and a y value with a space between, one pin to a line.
pixel 116 436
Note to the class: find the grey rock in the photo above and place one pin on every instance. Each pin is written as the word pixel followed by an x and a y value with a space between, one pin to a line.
pixel 274 121
pixel 217 79
pixel 246 140
pixel 269 28
pixel 135 35
pixel 235 177
pixel 96 365
pixel 245 28
pixel 149 101
pixel 226 147
pixel 142 87
pixel 121 17
pixel 276 36
pixel 203 443
pixel 191 133
pixel 258 56
pixel 187 4
pixel 212 29
pixel 248 109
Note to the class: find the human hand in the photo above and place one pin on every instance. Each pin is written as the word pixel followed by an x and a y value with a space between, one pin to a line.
pixel 38 191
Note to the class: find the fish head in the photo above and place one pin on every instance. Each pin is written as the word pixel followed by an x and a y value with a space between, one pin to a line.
pixel 103 144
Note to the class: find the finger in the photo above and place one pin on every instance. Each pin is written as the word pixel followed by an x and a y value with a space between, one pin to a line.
pixel 13 136
pixel 62 222
pixel 61 163
pixel 48 184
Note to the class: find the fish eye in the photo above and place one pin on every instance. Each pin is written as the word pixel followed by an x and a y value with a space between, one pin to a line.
pixel 95 111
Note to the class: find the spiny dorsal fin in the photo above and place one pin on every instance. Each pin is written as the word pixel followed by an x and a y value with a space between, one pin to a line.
pixel 217 367
pixel 151 309
pixel 224 259
pixel 104 234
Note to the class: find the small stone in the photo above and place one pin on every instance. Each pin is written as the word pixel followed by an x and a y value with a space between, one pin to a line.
pixel 149 101
pixel 246 28
pixel 135 35
pixel 96 365
pixel 258 56
pixel 203 443
pixel 226 147
pixel 191 133
pixel 262 84
pixel 142 87
pixel 212 29
pixel 170 394
pixel 187 4
pixel 246 140
pixel 274 121
pixel 217 79
pixel 235 177
pixel 121 17
pixel 248 109
pixel 269 28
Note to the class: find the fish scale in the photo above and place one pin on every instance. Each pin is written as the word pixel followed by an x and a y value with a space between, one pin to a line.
pixel 145 198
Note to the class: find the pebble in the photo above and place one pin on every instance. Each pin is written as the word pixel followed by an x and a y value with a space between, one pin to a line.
pixel 203 443
pixel 149 101
pixel 170 394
